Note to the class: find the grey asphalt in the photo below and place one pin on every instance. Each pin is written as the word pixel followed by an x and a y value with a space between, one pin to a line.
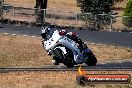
pixel 111 38
pixel 112 66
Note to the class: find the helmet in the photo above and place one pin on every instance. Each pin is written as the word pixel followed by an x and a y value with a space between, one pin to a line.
pixel 46 32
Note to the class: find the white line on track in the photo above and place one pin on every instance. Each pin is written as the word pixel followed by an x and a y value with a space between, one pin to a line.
pixel 120 62
pixel 102 63
pixel 33 36
pixel 25 35
pixel 14 34
pixel 5 33
pixel 40 37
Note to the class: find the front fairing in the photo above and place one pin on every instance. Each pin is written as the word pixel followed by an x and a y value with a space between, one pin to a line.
pixel 73 46
pixel 68 43
pixel 52 41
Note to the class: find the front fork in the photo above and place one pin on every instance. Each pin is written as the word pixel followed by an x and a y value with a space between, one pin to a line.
pixel 43 43
pixel 48 51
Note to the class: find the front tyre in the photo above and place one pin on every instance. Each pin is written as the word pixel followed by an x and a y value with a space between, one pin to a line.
pixel 55 60
pixel 91 61
pixel 66 59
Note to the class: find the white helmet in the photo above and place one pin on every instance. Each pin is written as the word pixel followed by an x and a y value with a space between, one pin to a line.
pixel 46 32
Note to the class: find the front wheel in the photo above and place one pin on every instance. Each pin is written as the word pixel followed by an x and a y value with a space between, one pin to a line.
pixel 66 59
pixel 91 61
pixel 55 60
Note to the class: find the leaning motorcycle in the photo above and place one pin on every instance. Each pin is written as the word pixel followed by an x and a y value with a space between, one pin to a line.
pixel 65 50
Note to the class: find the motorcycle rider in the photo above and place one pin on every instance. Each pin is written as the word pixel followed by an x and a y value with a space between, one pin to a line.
pixel 73 36
pixel 47 34
pixel 59 45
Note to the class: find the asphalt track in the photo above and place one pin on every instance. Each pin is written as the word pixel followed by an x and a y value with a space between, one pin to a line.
pixel 109 66
pixel 123 39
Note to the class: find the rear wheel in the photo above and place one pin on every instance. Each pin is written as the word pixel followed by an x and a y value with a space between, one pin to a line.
pixel 91 61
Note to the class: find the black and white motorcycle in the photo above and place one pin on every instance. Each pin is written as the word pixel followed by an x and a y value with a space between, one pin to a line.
pixel 65 49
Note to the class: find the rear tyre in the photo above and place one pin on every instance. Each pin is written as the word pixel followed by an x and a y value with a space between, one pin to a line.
pixel 91 61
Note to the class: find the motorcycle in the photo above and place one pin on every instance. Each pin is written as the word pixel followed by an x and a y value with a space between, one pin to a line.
pixel 65 50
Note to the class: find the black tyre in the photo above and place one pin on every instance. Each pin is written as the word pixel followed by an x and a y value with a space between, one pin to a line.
pixel 55 60
pixel 81 80
pixel 67 59
pixel 91 61
pixel 58 53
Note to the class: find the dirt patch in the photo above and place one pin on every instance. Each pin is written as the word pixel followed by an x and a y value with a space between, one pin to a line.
pixel 28 51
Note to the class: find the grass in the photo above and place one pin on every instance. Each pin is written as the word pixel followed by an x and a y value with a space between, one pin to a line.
pixel 106 53
pixel 61 5
pixel 28 51
pixel 21 51
pixel 64 79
